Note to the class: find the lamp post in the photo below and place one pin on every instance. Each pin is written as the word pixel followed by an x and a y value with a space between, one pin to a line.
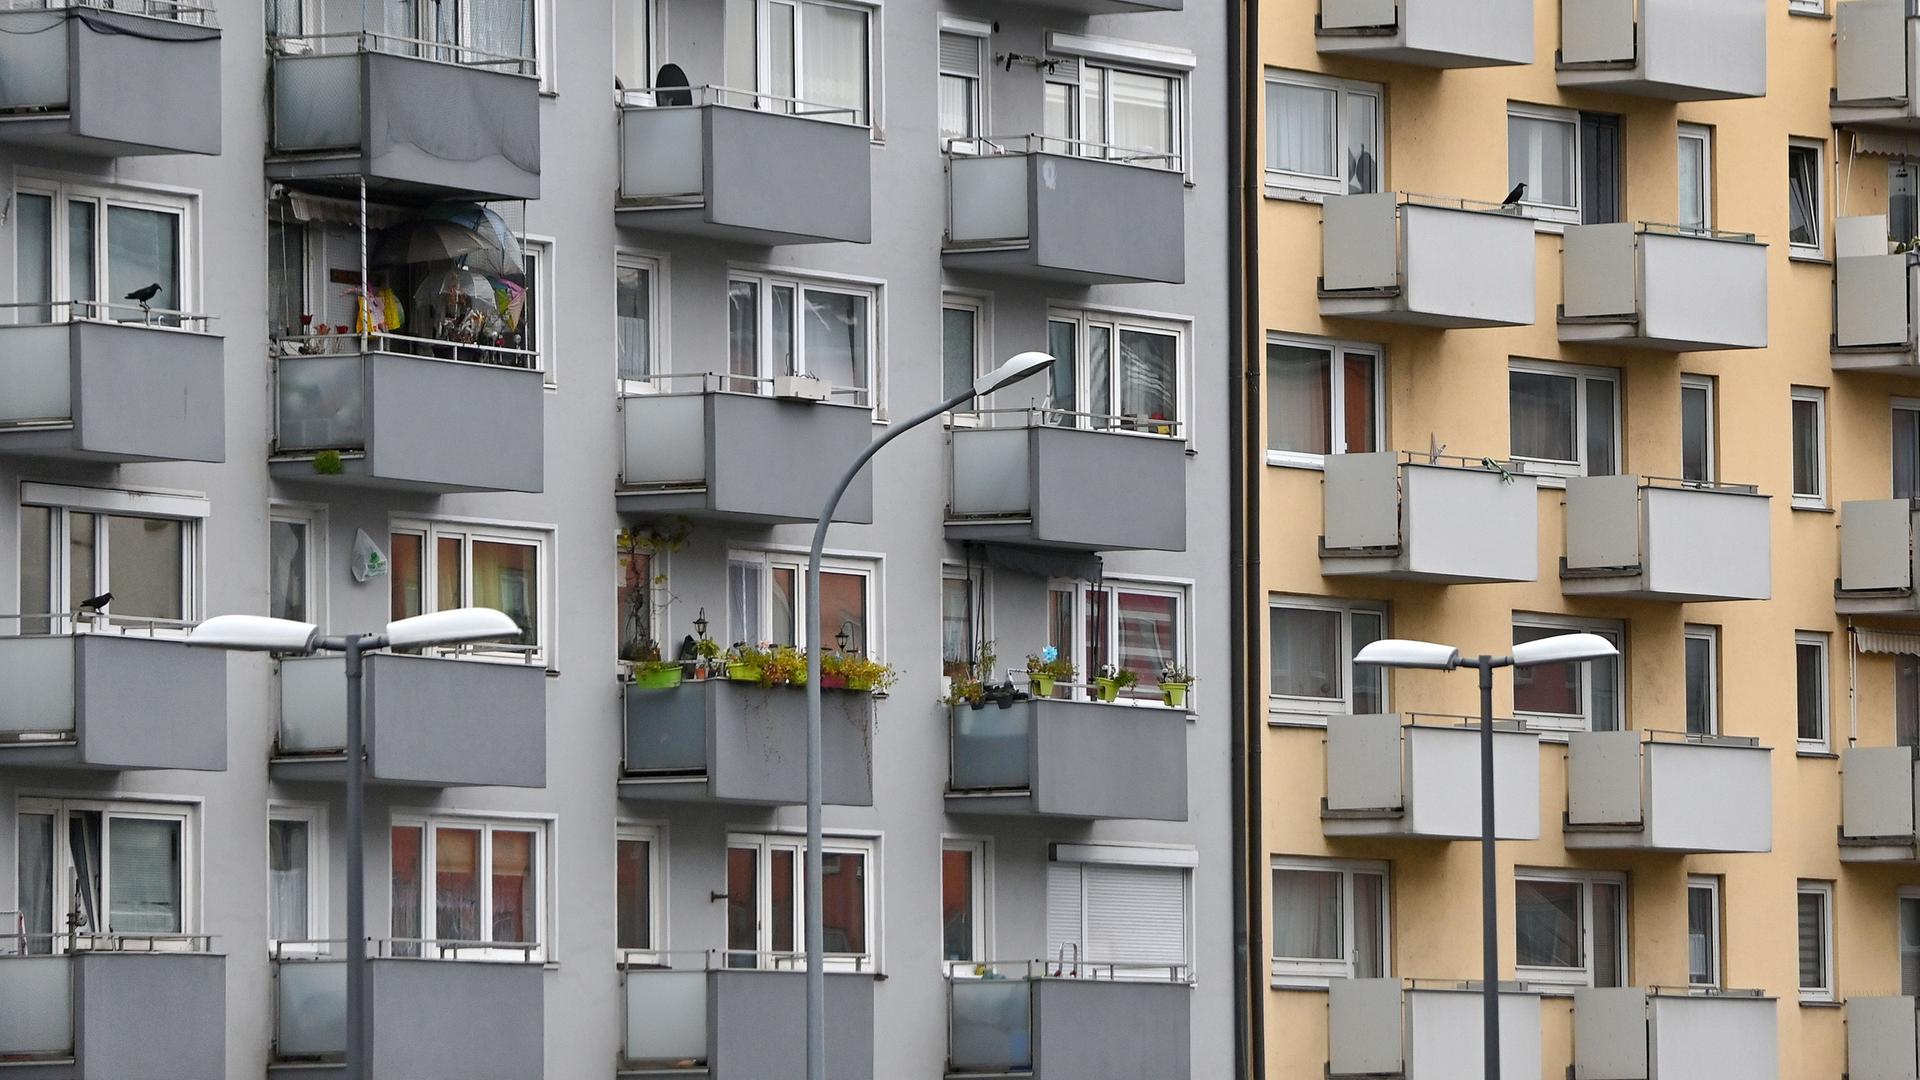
pixel 259 633
pixel 1021 366
pixel 1563 649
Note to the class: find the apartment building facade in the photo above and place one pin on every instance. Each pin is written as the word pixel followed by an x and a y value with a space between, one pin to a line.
pixel 344 311
pixel 1564 309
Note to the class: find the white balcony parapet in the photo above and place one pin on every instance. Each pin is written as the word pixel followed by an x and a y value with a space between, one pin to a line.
pixel 1424 517
pixel 1426 260
pixel 1662 1033
pixel 1656 48
pixel 1874 78
pixel 1427 1028
pixel 1668 791
pixel 1883 1038
pixel 1653 286
pixel 1879 812
pixel 1878 560
pixel 1641 538
pixel 1428 33
pixel 1876 291
pixel 1420 778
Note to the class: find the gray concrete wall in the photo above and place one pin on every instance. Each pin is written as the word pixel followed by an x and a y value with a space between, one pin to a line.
pixel 455 424
pixel 756 1025
pixel 1111 1030
pixel 442 722
pixel 159 1015
pixel 142 82
pixel 149 704
pixel 446 1020
pixel 141 393
pixel 1109 761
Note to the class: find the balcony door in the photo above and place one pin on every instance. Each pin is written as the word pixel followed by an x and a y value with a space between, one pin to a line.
pixel 1906 449
pixel 92 869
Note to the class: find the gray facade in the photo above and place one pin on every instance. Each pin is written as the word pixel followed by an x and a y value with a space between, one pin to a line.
pixel 477 453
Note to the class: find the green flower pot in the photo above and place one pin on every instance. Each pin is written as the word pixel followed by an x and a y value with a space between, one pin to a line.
pixel 1108 689
pixel 664 678
pixel 1042 685
pixel 743 672
pixel 1174 694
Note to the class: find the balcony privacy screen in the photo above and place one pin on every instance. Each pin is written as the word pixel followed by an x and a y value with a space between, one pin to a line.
pixel 35 55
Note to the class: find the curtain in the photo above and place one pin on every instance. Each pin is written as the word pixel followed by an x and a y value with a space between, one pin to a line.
pixel 1363 144
pixel 34 884
pixel 1357 405
pixel 1540 154
pixel 956 905
pixel 405 842
pixel 744 581
pixel 1143 113
pixel 959 85
pixel 1806 447
pixel 1063 345
pixel 286 271
pixel 1699 675
pixel 1809 663
pixel 514 900
pixel 632 47
pixel 1906 453
pixel 1700 939
pixel 743 334
pixel 502 28
pixel 287 863
pixel 82 243
pixel 738 36
pixel 285 18
pixel 743 906
pixel 843 609
pixel 33 256
pixel 783 605
pixel 1149 633
pixel 836 337
pixel 144 869
pixel 506 577
pixel 1599 404
pixel 456 884
pixel 843 902
pixel 633 600
pixel 956 625
pixel 1693 182
pixel 287 564
pixel 1541 414
pixel 633 305
pixel 633 915
pixel 1098 399
pixel 1300 129
pixel 1609 922
pixel 403 571
pixel 957 349
pixel 1369 680
pixel 1547 926
pixel 780 899
pixel 83 842
pixel 1813 943
pixel 1306 915
pixel 1149 375
pixel 833 59
pixel 1305 653
pixel 1299 399
pixel 1803 200
pixel 36 568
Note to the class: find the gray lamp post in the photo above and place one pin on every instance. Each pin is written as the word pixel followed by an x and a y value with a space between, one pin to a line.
pixel 1019 367
pixel 1563 649
pixel 258 633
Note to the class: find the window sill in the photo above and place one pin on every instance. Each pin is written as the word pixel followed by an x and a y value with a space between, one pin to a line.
pixel 1309 984
pixel 1282 193
pixel 1816 752
pixel 1297 720
pixel 1282 459
pixel 1813 508
pixel 1821 1003
pixel 1825 16
pixel 1808 255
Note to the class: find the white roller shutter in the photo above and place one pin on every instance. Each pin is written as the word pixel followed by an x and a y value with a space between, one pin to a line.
pixel 1117 914
pixel 1063 909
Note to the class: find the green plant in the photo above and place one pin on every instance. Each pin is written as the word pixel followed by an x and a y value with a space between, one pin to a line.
pixel 706 648
pixel 327 463
pixel 641 651
pixel 1050 663
pixel 865 673
pixel 785 664
pixel 1121 677
pixel 964 690
pixel 1175 675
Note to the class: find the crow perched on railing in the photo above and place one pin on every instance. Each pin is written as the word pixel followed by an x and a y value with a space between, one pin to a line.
pixel 144 297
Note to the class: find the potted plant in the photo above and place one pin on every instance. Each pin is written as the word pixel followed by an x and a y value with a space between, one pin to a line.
pixel 1047 668
pixel 833 671
pixel 707 652
pixel 1112 679
pixel 966 690
pixel 657 674
pixel 866 674
pixel 784 666
pixel 1175 681
pixel 744 662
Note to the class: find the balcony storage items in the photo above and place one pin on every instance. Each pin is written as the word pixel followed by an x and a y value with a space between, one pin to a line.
pixel 1421 517
pixel 1396 257
pixel 1654 48
pixel 1649 286
pixel 1429 33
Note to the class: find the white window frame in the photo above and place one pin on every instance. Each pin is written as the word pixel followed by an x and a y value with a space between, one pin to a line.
pixel 432 530
pixel 319 854
pixel 1569 978
pixel 1710 635
pixel 1703 135
pixel 1824 890
pixel 769 559
pixel 429 822
pixel 1824 643
pixel 981 589
pixel 540 250
pixel 63 191
pixel 1586 376
pixel 1816 250
pixel 1304 973
pixel 1307 185
pixel 1113 55
pixel 1806 7
pixel 1715 947
pixel 64 500
pixel 981 32
pixel 765 844
pixel 1613 631
pixel 1289 709
pixel 1144 856
pixel 979 306
pixel 187 815
pixel 763 53
pixel 1339 353
pixel 982 886
pixel 1708 385
pixel 313 517
pixel 1817 396
pixel 1139 696
pixel 1552 212
pixel 656 24
pixel 655 837
pixel 1088 413
pixel 766 365
pixel 655 267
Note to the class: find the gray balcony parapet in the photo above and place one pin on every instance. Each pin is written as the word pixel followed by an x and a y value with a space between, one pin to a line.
pixel 744 167
pixel 1669 792
pixel 122 79
pixel 112 698
pixel 1064 758
pixel 1876 291
pixel 738 1015
pixel 1878 807
pixel 1632 1032
pixel 722 741
pixel 1418 517
pixel 104 1007
pixel 1068 1019
pixel 1641 538
pixel 1878 559
pixel 1651 286
pixel 1883 1038
pixel 1103 7
pixel 1426 260
pixel 1420 1027
pixel 1653 48
pixel 1874 77
pixel 1065 211
pixel 1428 33
pixel 1418 777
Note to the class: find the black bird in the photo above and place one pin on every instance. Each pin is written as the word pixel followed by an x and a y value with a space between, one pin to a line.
pixel 143 297
pixel 1513 197
pixel 93 605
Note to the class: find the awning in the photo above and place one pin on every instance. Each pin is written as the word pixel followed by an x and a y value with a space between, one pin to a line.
pixel 1886 641
pixel 1042 562
pixel 1885 144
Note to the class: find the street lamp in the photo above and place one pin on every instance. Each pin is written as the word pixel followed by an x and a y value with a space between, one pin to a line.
pixel 1021 366
pixel 259 633
pixel 1562 649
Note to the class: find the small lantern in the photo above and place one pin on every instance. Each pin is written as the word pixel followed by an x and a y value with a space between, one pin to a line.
pixel 700 624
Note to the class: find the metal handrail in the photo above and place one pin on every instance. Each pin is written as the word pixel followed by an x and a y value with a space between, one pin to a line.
pixel 1038 143
pixel 72 942
pixel 1666 735
pixel 1460 720
pixel 153 9
pixel 92 623
pixel 1454 202
pixel 1699 485
pixel 90 311
pixel 1084 970
pixel 1702 232
pixel 371 41
pixel 1040 415
pixel 1705 991
pixel 649 960
pixel 1507 986
pixel 718 382
pixel 352 343
pixel 1483 463
pixel 734 98
pixel 320 950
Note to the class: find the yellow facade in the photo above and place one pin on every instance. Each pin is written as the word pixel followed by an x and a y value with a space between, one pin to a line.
pixel 1446 134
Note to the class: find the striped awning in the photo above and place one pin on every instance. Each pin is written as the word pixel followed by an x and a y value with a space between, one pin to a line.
pixel 1886 641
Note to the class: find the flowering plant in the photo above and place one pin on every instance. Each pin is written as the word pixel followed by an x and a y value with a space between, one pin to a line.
pixel 1048 662
pixel 1174 675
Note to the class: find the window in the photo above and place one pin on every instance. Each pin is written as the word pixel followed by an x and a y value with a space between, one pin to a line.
pixel 1322 398
pixel 1565 419
pixel 766 600
pixel 1119 918
pixel 1909 943
pixel 1570 928
pixel 637 889
pixel 1703 931
pixel 1807 7
pixel 1311 647
pixel 638 574
pixel 813 52
pixel 88 868
pixel 1329 921
pixel 784 326
pixel 963 67
pixel 1702 644
pixel 765 882
pixel 1809 447
pixel 962 615
pixel 296 563
pixel 1140 627
pixel 1810 690
pixel 297 876
pixel 1570 163
pixel 1903 202
pixel 1698 429
pixel 1696 176
pixel 491 28
pixel 961 342
pixel 1906 700
pixel 963 901
pixel 286 18
pixel 1601 169
pixel 474 566
pixel 1114 371
pixel 1582 696
pixel 637 345
pixel 80 543
pixel 1103 109
pixel 80 249
pixel 1906 449
pixel 1323 135
pixel 467 886
pixel 1806 197
pixel 1816 940
pixel 635 43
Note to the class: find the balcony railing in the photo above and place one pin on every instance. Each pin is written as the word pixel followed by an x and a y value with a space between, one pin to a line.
pixel 725 741
pixel 1878 560
pixel 1653 48
pixel 1638 538
pixel 1063 758
pixel 1108 1019
pixel 1879 812
pixel 1876 291
pixel 1426 1027
pixel 1660 1031
pixel 1428 517
pixel 1429 33
pixel 1673 288
pixel 1668 791
pixel 1883 1038
pixel 1420 777
pixel 1427 260
pixel 1874 76
pixel 735 1013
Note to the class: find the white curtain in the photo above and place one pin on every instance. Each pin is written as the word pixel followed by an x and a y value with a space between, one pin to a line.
pixel 633 303
pixel 1299 399
pixel 287 563
pixel 287 857
pixel 1540 152
pixel 144 872
pixel 833 58
pixel 1306 914
pixel 1143 112
pixel 1149 375
pixel 502 28
pixel 1300 129
pixel 1306 656
pixel 1693 182
pixel 34 886
pixel 744 582
pixel 33 256
pixel 836 337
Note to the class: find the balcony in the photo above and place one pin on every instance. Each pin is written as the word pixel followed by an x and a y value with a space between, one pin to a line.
pixel 1656 51
pixel 1875 295
pixel 112 701
pixel 751 169
pixel 1104 7
pixel 1430 33
pixel 423 1016
pixel 1883 1042
pixel 400 413
pixel 1878 559
pixel 1419 779
pixel 1640 538
pixel 1028 477
pixel 1663 791
pixel 1446 263
pixel 727 452
pixel 1065 211
pixel 1069 1022
pixel 428 721
pixel 111 1008
pixel 119 79
pixel 1072 759
pixel 1649 286
pixel 1425 1028
pixel 110 391
pixel 720 741
pixel 1414 517
pixel 706 1018
pixel 1878 812
pixel 454 123
pixel 1636 1033
pixel 1873 70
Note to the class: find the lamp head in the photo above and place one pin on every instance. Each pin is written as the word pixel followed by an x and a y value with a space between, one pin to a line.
pixel 1563 649
pixel 256 633
pixel 1406 653
pixel 451 627
pixel 1019 367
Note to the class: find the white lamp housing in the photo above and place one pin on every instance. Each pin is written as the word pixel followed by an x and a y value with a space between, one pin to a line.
pixel 1019 367
pixel 1563 649
pixel 451 628
pixel 256 633
pixel 1406 653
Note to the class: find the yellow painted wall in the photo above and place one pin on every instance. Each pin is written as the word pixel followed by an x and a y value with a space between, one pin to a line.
pixel 1446 135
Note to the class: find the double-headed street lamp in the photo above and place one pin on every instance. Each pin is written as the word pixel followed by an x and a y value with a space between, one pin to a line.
pixel 259 633
pixel 1563 649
